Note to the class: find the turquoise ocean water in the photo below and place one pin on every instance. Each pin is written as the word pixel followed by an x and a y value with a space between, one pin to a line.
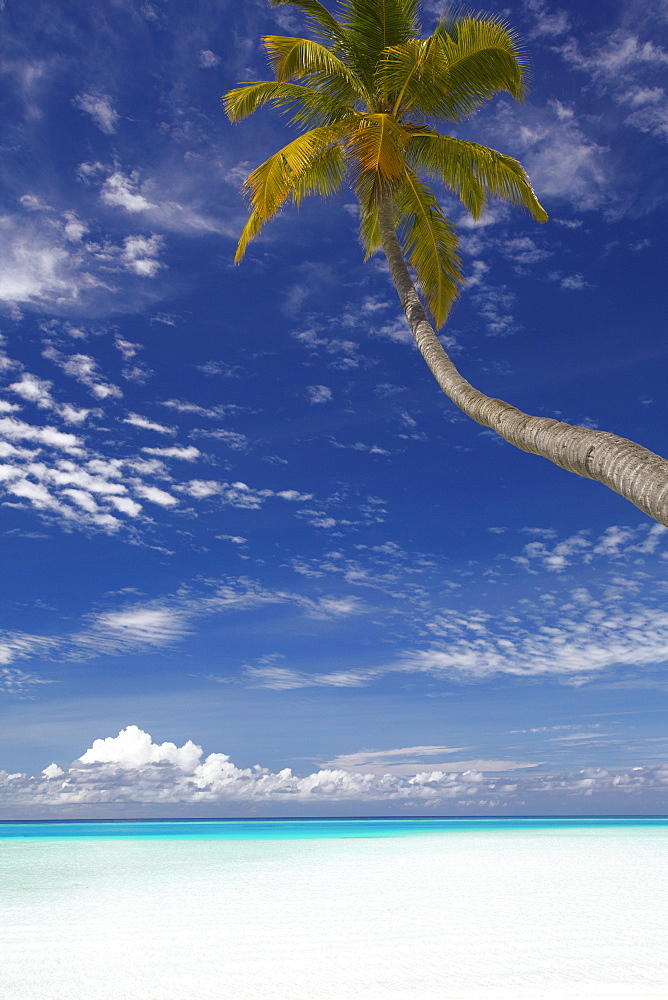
pixel 361 909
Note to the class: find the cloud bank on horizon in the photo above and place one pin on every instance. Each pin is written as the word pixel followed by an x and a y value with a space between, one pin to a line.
pixel 131 770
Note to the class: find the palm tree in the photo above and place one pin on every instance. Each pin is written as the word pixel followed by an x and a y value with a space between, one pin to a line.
pixel 367 95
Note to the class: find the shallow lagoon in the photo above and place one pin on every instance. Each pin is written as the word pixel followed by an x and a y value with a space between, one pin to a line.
pixel 340 909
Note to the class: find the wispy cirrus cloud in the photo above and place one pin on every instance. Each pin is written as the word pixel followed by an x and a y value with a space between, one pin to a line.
pixel 101 109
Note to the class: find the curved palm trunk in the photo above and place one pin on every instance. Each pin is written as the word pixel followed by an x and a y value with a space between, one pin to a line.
pixel 623 466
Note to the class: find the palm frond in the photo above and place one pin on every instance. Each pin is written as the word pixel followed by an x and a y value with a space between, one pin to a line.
pixel 370 232
pixel 367 189
pixel 323 176
pixel 483 56
pixel 270 184
pixel 472 171
pixel 375 148
pixel 318 17
pixel 249 232
pixel 372 25
pixel 306 106
pixel 413 75
pixel 429 242
pixel 304 59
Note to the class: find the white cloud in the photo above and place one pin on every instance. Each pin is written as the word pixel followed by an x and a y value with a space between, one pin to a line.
pixel 121 191
pixel 213 412
pixel 136 420
pixel 84 369
pixel 319 393
pixel 211 368
pixel 131 629
pixel 131 768
pixel 46 263
pixel 208 59
pixel 570 282
pixel 14 681
pixel 382 763
pixel 189 454
pixel 140 254
pixel 548 24
pixel 285 679
pixel 630 70
pixel 99 106
pixel 74 229
pixel 523 250
pixel 234 440
pixel 397 330
pixel 126 347
pixel 33 203
pixel 147 198
pixel 577 645
pixel 372 449
pixel 36 267
pixel 133 748
pixel 17 430
pixel 315 342
pixel 236 494
pixel 564 164
pixel 155 495
pixel 34 390
pixel 495 305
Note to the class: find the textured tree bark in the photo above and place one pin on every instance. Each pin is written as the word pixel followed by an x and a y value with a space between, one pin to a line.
pixel 637 474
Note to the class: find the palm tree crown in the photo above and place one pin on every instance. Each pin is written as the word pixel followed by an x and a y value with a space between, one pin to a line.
pixel 369 93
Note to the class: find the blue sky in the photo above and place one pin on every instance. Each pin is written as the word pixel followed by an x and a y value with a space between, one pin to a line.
pixel 238 514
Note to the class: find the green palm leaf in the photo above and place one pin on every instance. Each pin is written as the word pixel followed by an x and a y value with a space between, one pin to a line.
pixel 376 148
pixel 270 184
pixel 249 232
pixel 367 190
pixel 306 60
pixel 318 17
pixel 472 171
pixel 306 106
pixel 323 176
pixel 372 25
pixel 430 243
pixel 415 76
pixel 483 57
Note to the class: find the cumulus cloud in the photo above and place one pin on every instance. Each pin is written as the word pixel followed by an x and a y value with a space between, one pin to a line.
pixel 121 191
pixel 133 748
pixel 131 769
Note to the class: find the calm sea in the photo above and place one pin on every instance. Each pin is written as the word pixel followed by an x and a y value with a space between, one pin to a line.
pixel 425 909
